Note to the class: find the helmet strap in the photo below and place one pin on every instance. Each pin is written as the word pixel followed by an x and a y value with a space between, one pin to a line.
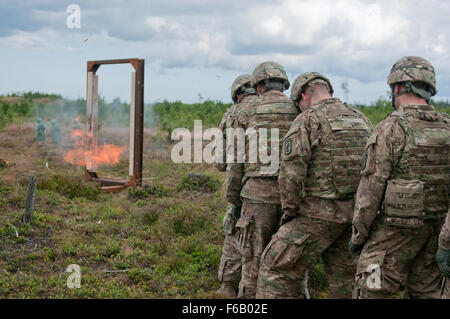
pixel 249 91
pixel 425 94
pixel 410 88
pixel 273 85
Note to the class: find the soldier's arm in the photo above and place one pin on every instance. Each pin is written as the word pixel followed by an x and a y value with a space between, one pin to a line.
pixel 296 154
pixel 382 152
pixel 234 175
pixel 235 171
pixel 220 157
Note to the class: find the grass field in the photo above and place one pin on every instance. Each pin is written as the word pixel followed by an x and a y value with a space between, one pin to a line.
pixel 160 241
pixel 164 239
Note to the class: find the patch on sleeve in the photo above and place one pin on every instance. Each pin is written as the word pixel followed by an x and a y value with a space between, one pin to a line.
pixel 368 161
pixel 364 161
pixel 288 146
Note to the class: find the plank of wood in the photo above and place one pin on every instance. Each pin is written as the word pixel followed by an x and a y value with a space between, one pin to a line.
pixel 29 202
pixel 92 120
pixel 132 121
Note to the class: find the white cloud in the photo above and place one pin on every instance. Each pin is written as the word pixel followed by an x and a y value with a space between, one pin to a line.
pixel 354 39
pixel 43 40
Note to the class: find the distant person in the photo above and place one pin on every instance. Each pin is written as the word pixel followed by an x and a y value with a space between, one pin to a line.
pixel 230 263
pixel 55 132
pixel 40 130
pixel 403 196
pixel 319 174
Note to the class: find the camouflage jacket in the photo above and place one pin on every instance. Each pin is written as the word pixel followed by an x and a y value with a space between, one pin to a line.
pixel 382 155
pixel 272 109
pixel 227 118
pixel 444 237
pixel 326 137
pixel 235 171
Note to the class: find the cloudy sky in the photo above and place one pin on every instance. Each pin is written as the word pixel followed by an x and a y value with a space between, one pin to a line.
pixel 196 48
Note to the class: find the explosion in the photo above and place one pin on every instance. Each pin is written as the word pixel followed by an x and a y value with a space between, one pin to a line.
pixel 107 154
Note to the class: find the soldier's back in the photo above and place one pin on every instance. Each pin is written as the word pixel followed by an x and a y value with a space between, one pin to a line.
pixel 426 154
pixel 272 110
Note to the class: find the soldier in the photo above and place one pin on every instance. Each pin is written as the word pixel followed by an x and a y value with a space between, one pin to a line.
pixel 40 130
pixel 443 255
pixel 402 198
pixel 255 182
pixel 55 132
pixel 319 175
pixel 230 262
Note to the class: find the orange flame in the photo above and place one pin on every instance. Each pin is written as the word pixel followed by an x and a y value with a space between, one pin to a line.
pixel 108 154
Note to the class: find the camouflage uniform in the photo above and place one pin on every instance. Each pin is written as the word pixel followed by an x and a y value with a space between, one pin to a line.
pixel 261 208
pixel 230 263
pixel 444 236
pixel 400 239
pixel 402 198
pixel 40 130
pixel 319 175
pixel 444 243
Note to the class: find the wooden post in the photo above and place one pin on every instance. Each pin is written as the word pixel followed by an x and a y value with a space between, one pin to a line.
pixel 132 120
pixel 29 204
pixel 139 123
pixel 92 120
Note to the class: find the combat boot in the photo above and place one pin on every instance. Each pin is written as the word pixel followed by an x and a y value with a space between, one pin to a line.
pixel 227 291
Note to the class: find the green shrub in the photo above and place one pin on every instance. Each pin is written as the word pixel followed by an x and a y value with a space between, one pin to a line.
pixel 171 115
pixel 22 108
pixel 199 182
pixel 146 191
pixel 69 187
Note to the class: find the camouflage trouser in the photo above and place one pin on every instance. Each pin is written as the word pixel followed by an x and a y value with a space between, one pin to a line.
pixel 257 224
pixel 296 248
pixel 446 288
pixel 230 262
pixel 395 258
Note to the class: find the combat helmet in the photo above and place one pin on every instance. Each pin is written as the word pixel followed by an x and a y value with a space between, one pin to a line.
pixel 410 69
pixel 269 70
pixel 239 85
pixel 307 78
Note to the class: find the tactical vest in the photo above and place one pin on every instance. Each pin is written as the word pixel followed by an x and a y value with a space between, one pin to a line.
pixel 334 169
pixel 271 111
pixel 419 185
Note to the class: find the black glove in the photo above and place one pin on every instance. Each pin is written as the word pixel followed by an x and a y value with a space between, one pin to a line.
pixel 286 218
pixel 443 261
pixel 237 212
pixel 354 249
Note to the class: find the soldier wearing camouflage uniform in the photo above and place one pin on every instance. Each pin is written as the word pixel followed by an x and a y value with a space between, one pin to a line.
pixel 319 175
pixel 403 195
pixel 261 210
pixel 230 263
pixel 443 255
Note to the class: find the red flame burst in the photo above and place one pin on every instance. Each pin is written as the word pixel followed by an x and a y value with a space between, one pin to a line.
pixel 107 154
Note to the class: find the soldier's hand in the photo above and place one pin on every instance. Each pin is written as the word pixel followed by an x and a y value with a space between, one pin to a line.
pixel 286 218
pixel 443 261
pixel 237 212
pixel 355 249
